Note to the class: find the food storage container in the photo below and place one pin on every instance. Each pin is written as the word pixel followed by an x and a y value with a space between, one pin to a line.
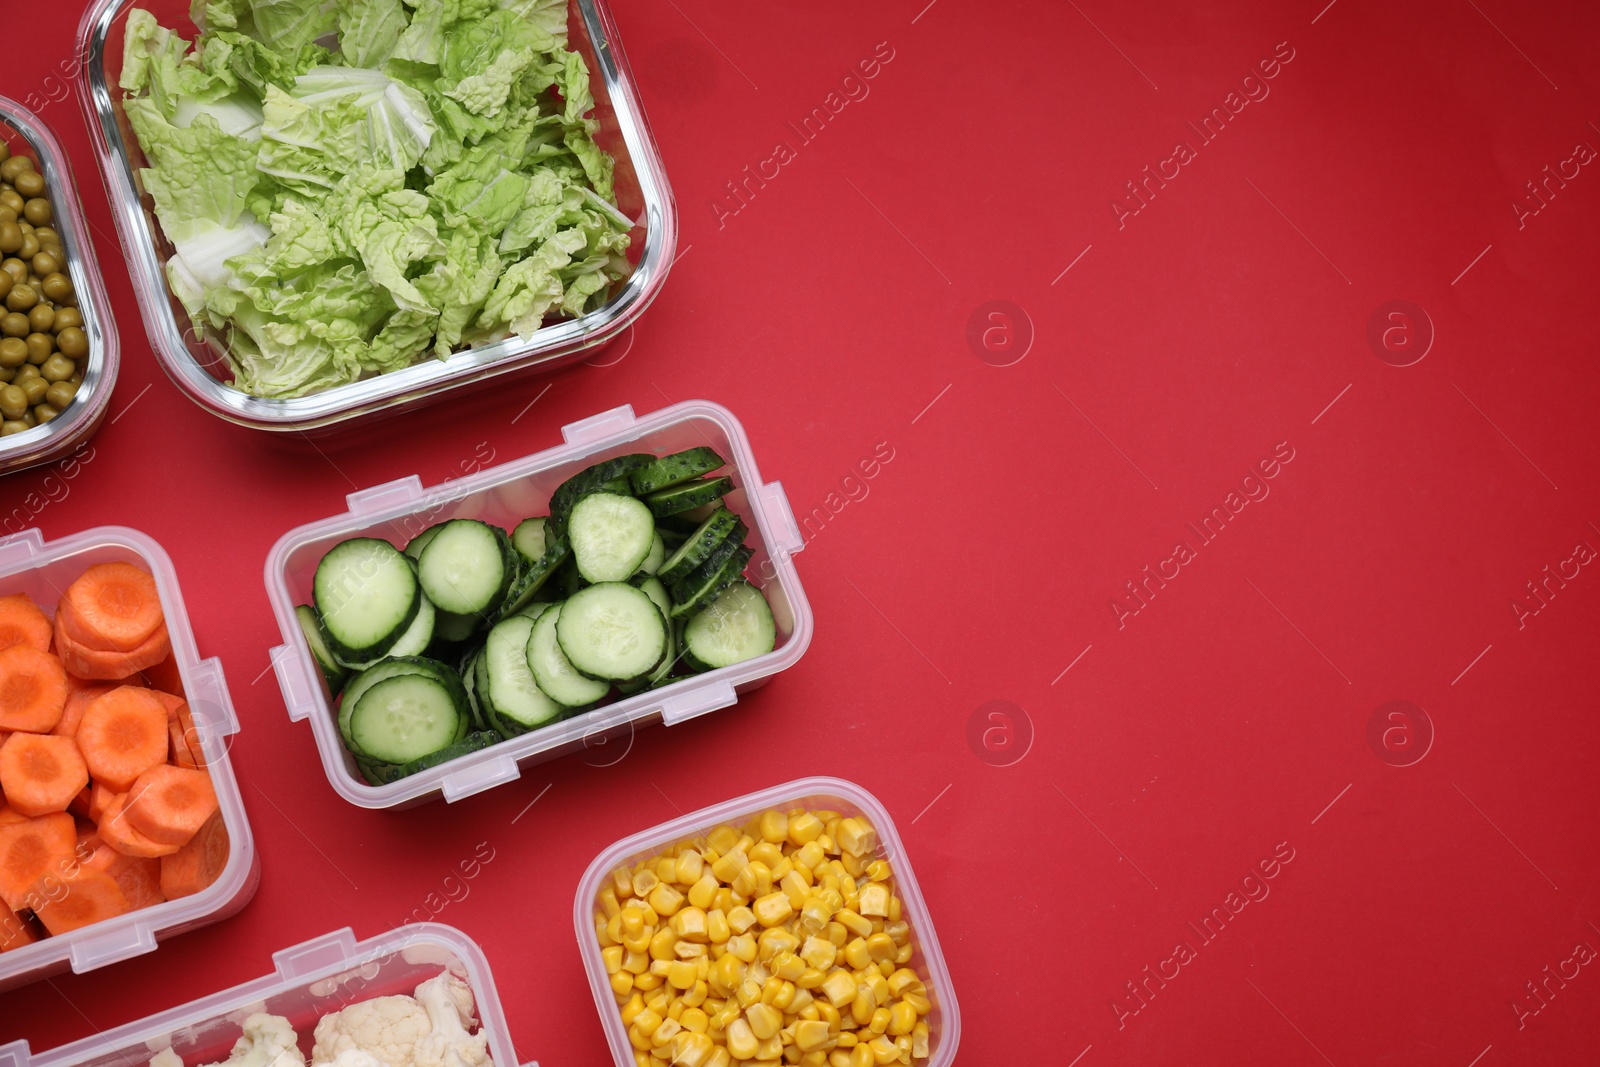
pixel 323 975
pixel 24 134
pixel 814 794
pixel 504 495
pixel 196 363
pixel 42 569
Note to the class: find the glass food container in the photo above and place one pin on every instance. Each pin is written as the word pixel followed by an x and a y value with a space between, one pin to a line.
pixel 196 364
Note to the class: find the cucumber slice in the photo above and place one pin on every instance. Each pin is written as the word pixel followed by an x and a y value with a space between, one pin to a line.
pixel 609 475
pixel 414 642
pixel 612 630
pixel 611 535
pixel 734 627
pixel 518 702
pixel 469 682
pixel 688 496
pixel 406 717
pixel 467 568
pixel 689 597
pixel 675 469
pixel 533 578
pixel 333 672
pixel 657 556
pixel 529 539
pixel 708 569
pixel 558 678
pixel 366 595
pixel 415 546
pixel 378 773
pixel 721 527
pixel 380 671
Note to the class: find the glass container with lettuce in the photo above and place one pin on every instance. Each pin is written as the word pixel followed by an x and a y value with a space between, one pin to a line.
pixel 352 186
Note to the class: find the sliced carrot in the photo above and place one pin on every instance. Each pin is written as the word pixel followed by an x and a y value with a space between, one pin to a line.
pixel 123 734
pixel 191 738
pixel 139 877
pixel 164 676
pixel 113 607
pixel 31 849
pixel 83 661
pixel 76 899
pixel 22 623
pixel 41 773
pixel 15 931
pixel 100 798
pixel 172 703
pixel 9 817
pixel 33 689
pixel 170 804
pixel 80 695
pixel 198 864
pixel 117 831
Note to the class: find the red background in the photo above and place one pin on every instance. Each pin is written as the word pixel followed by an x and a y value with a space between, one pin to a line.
pixel 1181 748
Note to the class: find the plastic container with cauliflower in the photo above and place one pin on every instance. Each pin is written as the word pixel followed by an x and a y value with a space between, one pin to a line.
pixel 419 996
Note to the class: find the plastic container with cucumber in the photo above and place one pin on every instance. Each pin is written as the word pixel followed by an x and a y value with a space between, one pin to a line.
pixel 460 638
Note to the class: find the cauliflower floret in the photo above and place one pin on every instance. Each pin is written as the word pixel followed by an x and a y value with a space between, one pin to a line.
pixel 388 1028
pixel 166 1058
pixel 448 1001
pixel 356 1057
pixel 268 1041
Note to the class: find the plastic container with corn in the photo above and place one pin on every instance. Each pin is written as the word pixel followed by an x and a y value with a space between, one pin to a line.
pixel 781 940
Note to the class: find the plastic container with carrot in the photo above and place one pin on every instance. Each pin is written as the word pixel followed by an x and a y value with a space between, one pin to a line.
pixel 119 822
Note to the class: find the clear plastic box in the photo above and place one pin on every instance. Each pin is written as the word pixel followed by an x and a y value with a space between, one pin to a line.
pixel 504 495
pixel 23 133
pixel 196 364
pixel 833 794
pixel 320 976
pixel 42 569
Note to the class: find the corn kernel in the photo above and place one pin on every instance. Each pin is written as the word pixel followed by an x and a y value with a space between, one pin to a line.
pixel 919 1041
pixel 814 1058
pixel 661 944
pixel 857 925
pixel 717 930
pixel 895 909
pixel 642 1059
pixel 839 1057
pixel 694 1019
pixel 839 988
pixel 862 1007
pixel 773 909
pixel 612 958
pixel 803 1004
pixel 635 962
pixel 723 900
pixel 644 881
pixel 770 1049
pixel 766 852
pixel 787 965
pixel 919 1001
pixel 622 983
pixel 640 1041
pixel 810 856
pixel 880 948
pixel 697 996
pixel 690 924
pixel 874 900
pixel 647 1021
pixel 688 867
pixel 783 1000
pixel 819 952
pixel 719 1058
pixel 862 1056
pixel 856 836
pixel 680 974
pixel 703 891
pixel 647 981
pixel 804 828
pixel 811 978
pixel 903 954
pixel 742 948
pixel 727 866
pixel 774 826
pixel 749 992
pixel 809 1035
pixel 764 1020
pixel 741 1040
pixel 741 919
pixel 691 1050
pixel 776 940
pixel 837 934
pixel 665 1032
pixel 659 967
pixel 879 985
pixel 622 882
pixel 665 899
pixel 857 955
pixel 666 869
pixel 902 1018
pixel 722 838
pixel 884 1050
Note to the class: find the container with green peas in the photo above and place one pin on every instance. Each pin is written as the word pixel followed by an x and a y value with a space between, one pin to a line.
pixel 58 343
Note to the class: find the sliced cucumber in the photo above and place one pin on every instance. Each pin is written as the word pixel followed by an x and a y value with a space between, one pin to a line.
pixel 675 469
pixel 366 595
pixel 414 642
pixel 734 627
pixel 533 578
pixel 537 608
pixel 529 539
pixel 553 672
pixel 469 682
pixel 333 672
pixel 696 591
pixel 611 535
pixel 652 562
pixel 688 496
pixel 415 546
pixel 606 475
pixel 612 630
pixel 467 568
pixel 378 773
pixel 657 592
pixel 721 527
pixel 406 717
pixel 518 702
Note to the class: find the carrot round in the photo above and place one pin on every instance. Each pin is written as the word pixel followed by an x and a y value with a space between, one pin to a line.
pixel 118 831
pixel 33 689
pixel 113 607
pixel 15 931
pixel 41 773
pixel 80 695
pixel 31 849
pixel 123 734
pixel 191 738
pixel 83 661
pixel 138 877
pixel 76 899
pixel 170 804
pixel 100 798
pixel 198 864
pixel 22 623
pixel 9 817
